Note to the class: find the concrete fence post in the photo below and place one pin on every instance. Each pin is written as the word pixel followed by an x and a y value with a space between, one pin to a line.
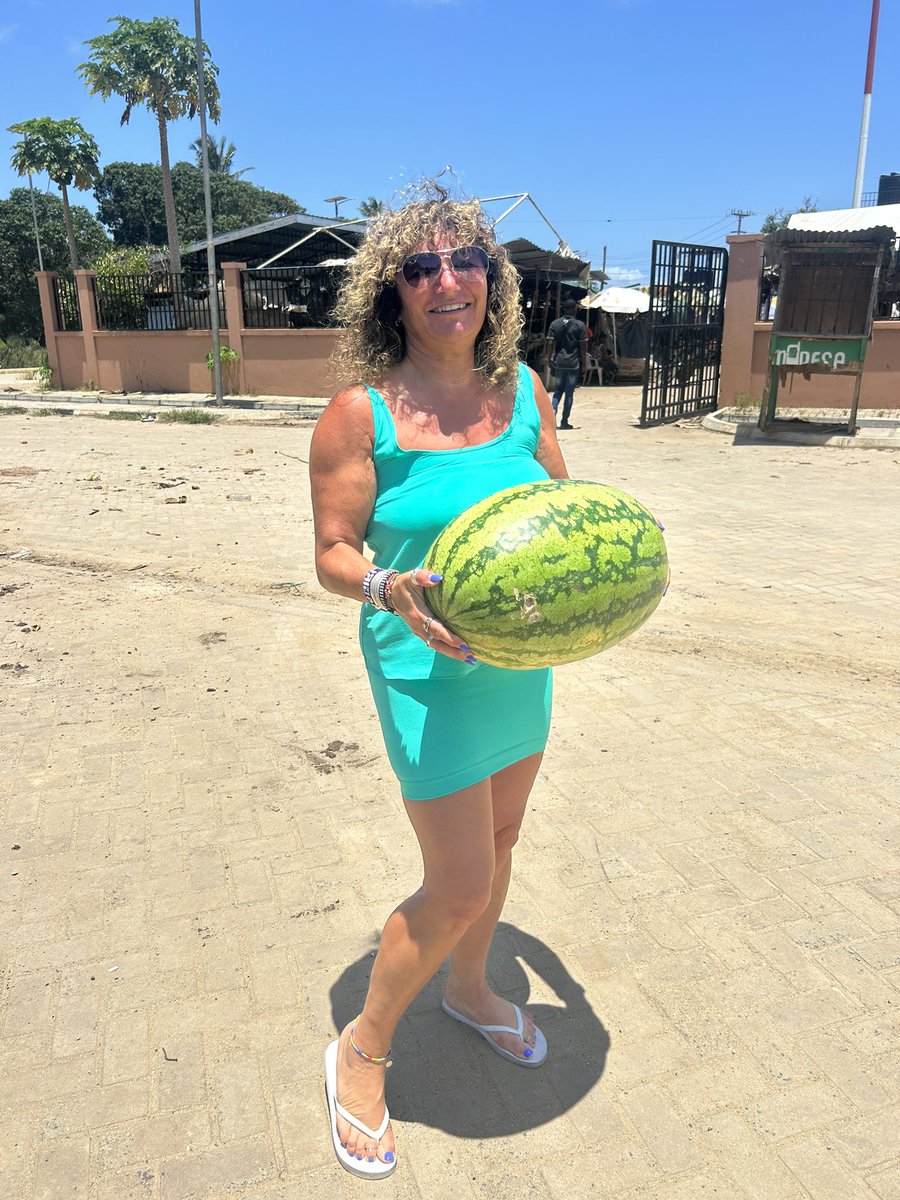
pixel 48 316
pixel 234 309
pixel 84 285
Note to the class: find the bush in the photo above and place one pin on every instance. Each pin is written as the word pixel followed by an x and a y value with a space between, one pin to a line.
pixel 22 352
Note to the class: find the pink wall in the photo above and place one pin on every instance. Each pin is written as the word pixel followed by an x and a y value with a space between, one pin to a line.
pixel 273 362
pixel 745 346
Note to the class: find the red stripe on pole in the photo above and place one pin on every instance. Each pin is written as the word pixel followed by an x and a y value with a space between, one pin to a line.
pixel 873 38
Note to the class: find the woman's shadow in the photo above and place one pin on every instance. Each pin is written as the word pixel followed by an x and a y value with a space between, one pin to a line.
pixel 445 1075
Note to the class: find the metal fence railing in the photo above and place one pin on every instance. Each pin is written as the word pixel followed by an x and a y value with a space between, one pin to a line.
pixel 161 300
pixel 65 302
pixel 290 297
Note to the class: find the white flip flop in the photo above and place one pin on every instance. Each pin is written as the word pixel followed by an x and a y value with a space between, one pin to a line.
pixel 537 1059
pixel 361 1167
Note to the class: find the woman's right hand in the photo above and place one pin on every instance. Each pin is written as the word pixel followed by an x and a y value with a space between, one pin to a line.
pixel 408 598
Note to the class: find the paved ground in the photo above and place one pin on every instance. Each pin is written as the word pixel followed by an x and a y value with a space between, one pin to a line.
pixel 200 839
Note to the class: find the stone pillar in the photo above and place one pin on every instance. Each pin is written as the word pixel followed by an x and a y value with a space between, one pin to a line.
pixel 741 315
pixel 84 285
pixel 234 309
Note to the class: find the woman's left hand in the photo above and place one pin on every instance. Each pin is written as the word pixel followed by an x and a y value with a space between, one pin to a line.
pixel 408 598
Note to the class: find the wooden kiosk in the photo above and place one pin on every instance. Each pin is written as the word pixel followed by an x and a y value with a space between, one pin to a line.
pixel 827 286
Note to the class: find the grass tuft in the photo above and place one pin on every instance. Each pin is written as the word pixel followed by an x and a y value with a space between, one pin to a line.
pixel 188 416
pixel 12 410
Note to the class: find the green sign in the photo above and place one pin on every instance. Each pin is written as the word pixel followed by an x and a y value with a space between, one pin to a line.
pixel 823 355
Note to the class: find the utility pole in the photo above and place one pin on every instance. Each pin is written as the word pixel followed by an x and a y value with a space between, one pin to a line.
pixel 207 205
pixel 867 108
pixel 740 213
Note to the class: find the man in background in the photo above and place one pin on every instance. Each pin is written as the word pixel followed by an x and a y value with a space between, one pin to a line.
pixel 566 349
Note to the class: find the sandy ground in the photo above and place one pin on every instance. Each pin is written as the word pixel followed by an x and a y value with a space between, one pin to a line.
pixel 201 839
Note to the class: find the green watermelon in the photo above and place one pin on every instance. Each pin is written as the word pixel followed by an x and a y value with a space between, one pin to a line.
pixel 547 573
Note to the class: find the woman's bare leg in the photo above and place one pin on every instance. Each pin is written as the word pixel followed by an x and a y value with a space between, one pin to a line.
pixel 466 989
pixel 456 835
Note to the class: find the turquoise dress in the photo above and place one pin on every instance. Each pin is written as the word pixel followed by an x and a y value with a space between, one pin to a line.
pixel 446 724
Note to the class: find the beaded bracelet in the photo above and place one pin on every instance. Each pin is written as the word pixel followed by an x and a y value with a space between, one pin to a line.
pixel 384 590
pixel 376 588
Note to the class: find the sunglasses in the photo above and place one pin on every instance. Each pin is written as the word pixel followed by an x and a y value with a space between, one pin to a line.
pixel 467 261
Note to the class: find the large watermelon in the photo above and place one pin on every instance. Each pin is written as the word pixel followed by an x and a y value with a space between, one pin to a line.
pixel 547 573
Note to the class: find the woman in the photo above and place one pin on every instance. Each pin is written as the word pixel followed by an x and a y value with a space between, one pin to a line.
pixel 446 417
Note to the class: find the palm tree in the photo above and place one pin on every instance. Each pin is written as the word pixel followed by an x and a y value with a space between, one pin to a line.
pixel 221 156
pixel 152 63
pixel 68 154
pixel 371 207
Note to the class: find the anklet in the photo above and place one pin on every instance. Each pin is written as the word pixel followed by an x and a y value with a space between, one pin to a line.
pixel 383 1060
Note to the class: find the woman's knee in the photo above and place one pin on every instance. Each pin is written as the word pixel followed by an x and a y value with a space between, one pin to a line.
pixel 504 840
pixel 462 899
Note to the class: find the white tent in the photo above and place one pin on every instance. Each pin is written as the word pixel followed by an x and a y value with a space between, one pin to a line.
pixel 618 300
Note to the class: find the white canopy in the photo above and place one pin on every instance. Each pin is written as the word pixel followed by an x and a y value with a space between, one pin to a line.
pixel 618 300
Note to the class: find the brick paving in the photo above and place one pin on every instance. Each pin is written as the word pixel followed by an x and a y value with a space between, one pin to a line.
pixel 201 839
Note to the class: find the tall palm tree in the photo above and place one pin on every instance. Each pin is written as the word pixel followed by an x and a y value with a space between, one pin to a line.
pixel 221 156
pixel 152 63
pixel 68 154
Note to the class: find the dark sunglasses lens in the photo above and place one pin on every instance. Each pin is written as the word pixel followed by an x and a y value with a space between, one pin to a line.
pixel 469 258
pixel 419 267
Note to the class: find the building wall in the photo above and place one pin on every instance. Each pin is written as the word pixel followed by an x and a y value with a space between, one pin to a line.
pixel 745 347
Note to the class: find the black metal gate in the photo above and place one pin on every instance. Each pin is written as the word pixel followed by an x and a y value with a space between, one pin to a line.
pixel 687 303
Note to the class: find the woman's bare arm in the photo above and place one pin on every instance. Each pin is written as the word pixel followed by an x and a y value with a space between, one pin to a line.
pixel 342 476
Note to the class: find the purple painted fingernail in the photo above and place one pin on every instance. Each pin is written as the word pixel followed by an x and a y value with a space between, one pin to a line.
pixel 436 578
pixel 528 1052
pixel 665 589
pixel 463 646
pixel 471 660
pixel 388 1156
pixel 359 1157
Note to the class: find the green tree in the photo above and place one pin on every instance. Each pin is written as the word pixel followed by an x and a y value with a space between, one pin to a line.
pixel 371 207
pixel 779 217
pixel 66 152
pixel 221 156
pixel 20 307
pixel 152 63
pixel 129 203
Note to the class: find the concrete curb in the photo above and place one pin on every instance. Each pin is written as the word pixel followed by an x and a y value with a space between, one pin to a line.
pixel 875 433
pixel 305 409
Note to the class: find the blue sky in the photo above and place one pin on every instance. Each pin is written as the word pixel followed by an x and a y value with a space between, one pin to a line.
pixel 626 120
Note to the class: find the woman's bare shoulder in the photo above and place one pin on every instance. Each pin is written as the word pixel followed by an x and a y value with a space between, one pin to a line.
pixel 348 411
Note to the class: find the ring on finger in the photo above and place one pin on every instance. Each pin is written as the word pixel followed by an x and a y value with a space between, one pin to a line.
pixel 428 641
pixel 426 625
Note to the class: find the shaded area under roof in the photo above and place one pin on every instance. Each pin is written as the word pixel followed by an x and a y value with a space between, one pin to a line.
pixel 257 243
pixel 332 239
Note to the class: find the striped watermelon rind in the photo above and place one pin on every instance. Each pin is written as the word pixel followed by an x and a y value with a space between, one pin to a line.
pixel 546 573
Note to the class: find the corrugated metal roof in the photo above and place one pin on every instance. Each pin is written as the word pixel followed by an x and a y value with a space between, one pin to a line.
pixel 837 220
pixel 528 257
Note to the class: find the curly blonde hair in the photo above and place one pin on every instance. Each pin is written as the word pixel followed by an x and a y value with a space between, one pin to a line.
pixel 368 306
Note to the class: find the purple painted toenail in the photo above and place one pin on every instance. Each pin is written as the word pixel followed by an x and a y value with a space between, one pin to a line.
pixel 528 1052
pixel 388 1156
